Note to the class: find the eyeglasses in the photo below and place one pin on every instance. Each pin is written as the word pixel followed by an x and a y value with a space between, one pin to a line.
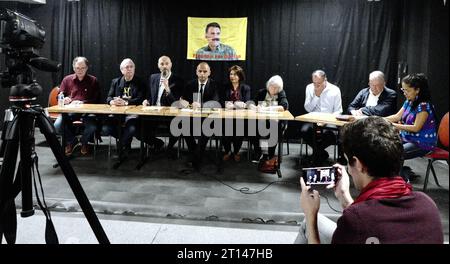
pixel 404 90
pixel 80 68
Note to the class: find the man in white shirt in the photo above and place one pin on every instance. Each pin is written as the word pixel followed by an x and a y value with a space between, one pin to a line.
pixel 164 89
pixel 376 99
pixel 324 97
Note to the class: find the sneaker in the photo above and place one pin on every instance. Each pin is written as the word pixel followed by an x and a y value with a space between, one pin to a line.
pixel 226 157
pixel 84 149
pixel 237 157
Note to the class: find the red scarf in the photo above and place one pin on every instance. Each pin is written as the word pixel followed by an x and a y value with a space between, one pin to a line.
pixel 384 188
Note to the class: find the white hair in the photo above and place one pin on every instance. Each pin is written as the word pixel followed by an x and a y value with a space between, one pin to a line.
pixel 77 59
pixel 125 62
pixel 277 81
pixel 376 75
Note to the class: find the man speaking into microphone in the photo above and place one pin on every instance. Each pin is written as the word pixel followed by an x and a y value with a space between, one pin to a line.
pixel 215 50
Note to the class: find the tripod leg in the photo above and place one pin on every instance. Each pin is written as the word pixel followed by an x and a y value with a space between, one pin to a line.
pixel 26 123
pixel 8 188
pixel 49 132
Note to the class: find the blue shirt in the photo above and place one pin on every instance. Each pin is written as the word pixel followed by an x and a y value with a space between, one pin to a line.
pixel 426 138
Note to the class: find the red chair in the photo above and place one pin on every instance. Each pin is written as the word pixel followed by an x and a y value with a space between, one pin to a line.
pixel 53 100
pixel 438 153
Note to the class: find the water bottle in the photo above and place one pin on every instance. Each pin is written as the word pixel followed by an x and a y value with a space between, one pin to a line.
pixel 61 99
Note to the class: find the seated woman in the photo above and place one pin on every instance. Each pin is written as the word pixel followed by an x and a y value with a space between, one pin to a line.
pixel 271 98
pixel 235 95
pixel 416 119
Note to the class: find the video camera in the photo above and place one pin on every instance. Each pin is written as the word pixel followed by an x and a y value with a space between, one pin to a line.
pixel 20 39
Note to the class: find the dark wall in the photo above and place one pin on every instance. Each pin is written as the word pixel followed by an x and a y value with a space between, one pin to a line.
pixel 346 38
pixel 424 46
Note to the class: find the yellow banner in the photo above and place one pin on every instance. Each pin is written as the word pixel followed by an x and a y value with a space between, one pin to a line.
pixel 219 39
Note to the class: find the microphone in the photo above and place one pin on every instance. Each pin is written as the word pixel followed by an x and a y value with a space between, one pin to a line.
pixel 45 64
pixel 165 74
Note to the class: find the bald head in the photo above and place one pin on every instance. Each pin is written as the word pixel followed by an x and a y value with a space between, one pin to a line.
pixel 203 72
pixel 165 64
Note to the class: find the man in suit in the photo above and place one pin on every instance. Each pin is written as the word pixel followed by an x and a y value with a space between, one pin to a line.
pixel 165 88
pixel 201 92
pixel 377 99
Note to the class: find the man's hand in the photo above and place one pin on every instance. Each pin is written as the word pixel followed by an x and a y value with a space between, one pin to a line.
pixel 342 186
pixel 196 105
pixel 67 100
pixel 183 103
pixel 76 102
pixel 165 84
pixel 357 112
pixel 117 101
pixel 318 90
pixel 310 203
pixel 309 200
pixel 145 103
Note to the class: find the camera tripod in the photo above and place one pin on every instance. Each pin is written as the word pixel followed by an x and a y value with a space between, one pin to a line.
pixel 20 132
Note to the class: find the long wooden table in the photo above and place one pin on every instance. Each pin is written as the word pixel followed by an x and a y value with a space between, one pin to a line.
pixel 324 118
pixel 90 109
pixel 156 111
pixel 102 109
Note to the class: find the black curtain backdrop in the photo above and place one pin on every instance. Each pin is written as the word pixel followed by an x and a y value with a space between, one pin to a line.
pixel 346 38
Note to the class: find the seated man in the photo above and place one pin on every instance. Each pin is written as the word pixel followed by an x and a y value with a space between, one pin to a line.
pixel 385 203
pixel 201 92
pixel 377 99
pixel 79 88
pixel 164 89
pixel 125 90
pixel 324 97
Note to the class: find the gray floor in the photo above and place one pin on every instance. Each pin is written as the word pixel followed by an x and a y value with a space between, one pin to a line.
pixel 162 193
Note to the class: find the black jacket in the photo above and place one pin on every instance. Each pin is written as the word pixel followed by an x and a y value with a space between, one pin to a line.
pixel 387 103
pixel 137 90
pixel 244 93
pixel 176 85
pixel 282 99
pixel 210 91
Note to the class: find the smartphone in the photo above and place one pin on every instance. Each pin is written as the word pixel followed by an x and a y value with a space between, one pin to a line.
pixel 319 175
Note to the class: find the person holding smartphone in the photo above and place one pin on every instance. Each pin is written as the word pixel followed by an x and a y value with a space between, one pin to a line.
pixel 386 202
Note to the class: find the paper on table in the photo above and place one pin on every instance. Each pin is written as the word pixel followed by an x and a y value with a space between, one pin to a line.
pixel 74 105
pixel 152 108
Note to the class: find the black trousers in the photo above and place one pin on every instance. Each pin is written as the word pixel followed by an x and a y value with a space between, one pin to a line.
pixel 325 138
